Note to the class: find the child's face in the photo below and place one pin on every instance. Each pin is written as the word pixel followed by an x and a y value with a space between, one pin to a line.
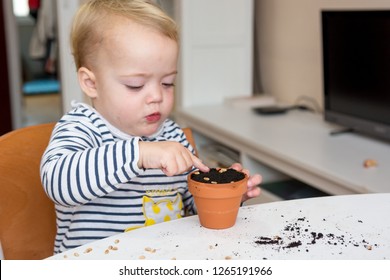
pixel 135 71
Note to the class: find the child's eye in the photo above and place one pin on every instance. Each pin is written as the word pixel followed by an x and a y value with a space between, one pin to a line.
pixel 134 88
pixel 168 85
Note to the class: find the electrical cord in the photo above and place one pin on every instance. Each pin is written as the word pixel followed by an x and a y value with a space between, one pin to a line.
pixel 303 100
pixel 301 108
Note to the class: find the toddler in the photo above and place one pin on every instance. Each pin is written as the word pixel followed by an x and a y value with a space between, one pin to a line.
pixel 121 163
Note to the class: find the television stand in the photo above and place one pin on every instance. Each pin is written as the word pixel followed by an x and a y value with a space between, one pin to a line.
pixel 297 144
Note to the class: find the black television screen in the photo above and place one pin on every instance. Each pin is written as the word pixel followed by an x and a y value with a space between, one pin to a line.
pixel 356 68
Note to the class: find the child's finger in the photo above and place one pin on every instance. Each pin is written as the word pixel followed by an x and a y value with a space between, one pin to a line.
pixel 254 180
pixel 237 166
pixel 253 192
pixel 199 164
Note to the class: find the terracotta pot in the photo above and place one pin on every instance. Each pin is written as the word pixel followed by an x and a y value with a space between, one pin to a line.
pixel 217 204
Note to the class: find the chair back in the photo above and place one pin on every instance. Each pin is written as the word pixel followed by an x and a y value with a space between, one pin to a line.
pixel 27 215
pixel 190 138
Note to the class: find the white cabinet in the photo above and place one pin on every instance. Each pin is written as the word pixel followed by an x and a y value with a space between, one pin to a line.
pixel 216 50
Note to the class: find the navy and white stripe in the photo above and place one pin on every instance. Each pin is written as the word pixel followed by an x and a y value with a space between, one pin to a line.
pixel 92 176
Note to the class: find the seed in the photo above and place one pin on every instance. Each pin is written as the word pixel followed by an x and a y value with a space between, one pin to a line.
pixel 222 170
pixel 116 241
pixel 106 251
pixel 197 173
pixel 114 248
pixel 368 247
pixel 370 163
pixel 206 178
pixel 151 250
pixel 228 258
pixel 141 257
pixel 213 182
pixel 87 250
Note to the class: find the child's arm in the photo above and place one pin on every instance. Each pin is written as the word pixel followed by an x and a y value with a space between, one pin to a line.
pixel 76 167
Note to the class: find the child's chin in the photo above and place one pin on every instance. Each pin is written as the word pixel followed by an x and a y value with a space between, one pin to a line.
pixel 151 130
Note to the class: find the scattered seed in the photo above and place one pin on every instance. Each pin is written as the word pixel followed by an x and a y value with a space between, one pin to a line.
pixel 228 258
pixel 206 178
pixel 87 250
pixel 213 182
pixel 76 254
pixel 368 247
pixel 151 250
pixel 116 241
pixel 142 257
pixel 106 251
pixel 370 163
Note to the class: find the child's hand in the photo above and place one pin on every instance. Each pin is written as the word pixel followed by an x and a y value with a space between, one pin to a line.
pixel 253 181
pixel 171 157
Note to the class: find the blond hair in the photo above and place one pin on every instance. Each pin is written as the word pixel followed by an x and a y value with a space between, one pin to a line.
pixel 87 34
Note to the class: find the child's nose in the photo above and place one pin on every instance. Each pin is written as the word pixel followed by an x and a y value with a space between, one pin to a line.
pixel 155 95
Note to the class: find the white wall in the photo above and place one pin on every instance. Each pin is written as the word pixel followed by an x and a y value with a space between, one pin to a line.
pixel 290 44
pixel 14 64
pixel 70 88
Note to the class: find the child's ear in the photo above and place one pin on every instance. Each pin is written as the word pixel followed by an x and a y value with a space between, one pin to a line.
pixel 87 82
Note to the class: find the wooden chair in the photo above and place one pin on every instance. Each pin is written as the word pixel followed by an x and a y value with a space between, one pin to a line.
pixel 190 138
pixel 27 215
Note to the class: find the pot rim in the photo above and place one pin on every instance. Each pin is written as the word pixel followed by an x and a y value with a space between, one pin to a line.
pixel 217 191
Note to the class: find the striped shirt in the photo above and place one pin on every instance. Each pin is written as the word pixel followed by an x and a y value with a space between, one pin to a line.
pixel 90 171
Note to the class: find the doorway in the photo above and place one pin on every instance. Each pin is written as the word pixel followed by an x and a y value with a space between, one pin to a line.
pixel 40 101
pixel 5 105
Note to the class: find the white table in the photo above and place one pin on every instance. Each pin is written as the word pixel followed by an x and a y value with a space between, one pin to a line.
pixel 336 227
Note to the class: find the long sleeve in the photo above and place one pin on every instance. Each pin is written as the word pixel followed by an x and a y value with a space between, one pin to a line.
pixel 76 168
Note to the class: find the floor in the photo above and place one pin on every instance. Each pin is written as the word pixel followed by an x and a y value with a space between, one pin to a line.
pixel 42 108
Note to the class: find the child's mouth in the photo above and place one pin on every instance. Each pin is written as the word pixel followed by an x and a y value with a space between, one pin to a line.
pixel 155 117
